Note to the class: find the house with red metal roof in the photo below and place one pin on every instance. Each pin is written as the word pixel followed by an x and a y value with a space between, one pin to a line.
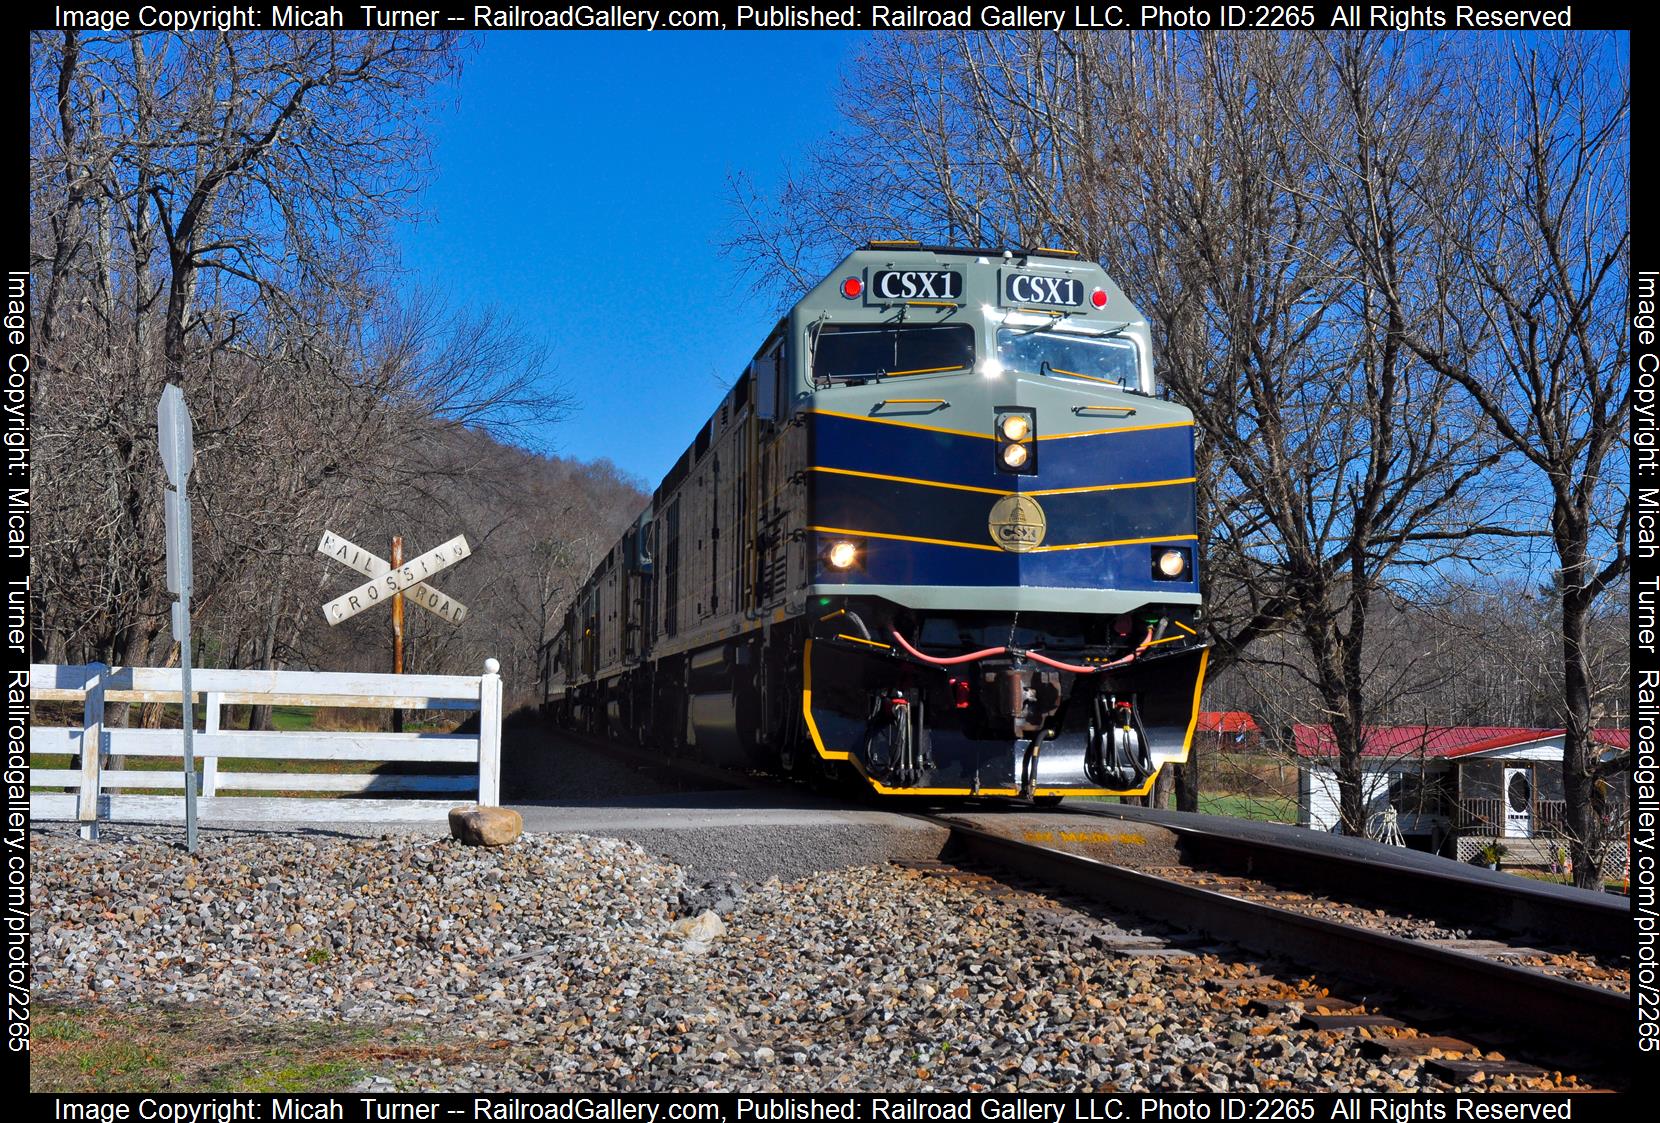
pixel 1455 790
pixel 1236 723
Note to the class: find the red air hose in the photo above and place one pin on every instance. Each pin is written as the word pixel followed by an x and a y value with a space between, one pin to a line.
pixel 973 656
pixel 947 662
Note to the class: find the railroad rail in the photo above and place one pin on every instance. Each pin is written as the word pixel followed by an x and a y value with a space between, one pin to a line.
pixel 1524 1001
pixel 1597 922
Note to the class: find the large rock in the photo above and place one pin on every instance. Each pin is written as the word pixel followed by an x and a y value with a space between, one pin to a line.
pixel 698 932
pixel 485 826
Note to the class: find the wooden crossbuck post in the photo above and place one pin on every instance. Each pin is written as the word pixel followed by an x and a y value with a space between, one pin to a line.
pixel 397 627
pixel 397 609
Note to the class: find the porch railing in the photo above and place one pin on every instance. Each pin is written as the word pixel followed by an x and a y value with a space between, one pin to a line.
pixel 1487 816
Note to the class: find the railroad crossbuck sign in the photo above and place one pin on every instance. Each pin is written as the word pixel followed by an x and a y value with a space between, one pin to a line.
pixel 386 583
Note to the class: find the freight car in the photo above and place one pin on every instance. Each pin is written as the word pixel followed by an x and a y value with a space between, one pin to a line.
pixel 942 532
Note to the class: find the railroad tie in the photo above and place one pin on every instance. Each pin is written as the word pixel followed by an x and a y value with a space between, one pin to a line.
pixel 1336 1023
pixel 1323 1007
pixel 1460 1072
pixel 1414 1046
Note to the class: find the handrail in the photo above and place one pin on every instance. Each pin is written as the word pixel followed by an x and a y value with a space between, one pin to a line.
pixel 924 370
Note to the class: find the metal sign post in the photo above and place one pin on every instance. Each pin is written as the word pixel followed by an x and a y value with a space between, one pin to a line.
pixel 178 457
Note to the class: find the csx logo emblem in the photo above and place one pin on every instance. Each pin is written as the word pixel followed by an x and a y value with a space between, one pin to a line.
pixel 1029 288
pixel 917 284
pixel 1017 523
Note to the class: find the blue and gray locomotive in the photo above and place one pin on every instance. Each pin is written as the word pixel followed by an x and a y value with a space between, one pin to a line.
pixel 942 532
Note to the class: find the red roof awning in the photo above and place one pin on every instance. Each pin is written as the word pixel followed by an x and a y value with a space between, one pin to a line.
pixel 1439 741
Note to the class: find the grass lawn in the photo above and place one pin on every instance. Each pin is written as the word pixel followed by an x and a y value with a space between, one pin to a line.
pixel 1618 885
pixel 100 1047
pixel 1273 809
pixel 292 719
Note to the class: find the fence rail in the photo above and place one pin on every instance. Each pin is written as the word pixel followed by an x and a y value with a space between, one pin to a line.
pixel 100 793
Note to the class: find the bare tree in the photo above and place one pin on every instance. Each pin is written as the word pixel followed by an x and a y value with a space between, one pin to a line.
pixel 1526 313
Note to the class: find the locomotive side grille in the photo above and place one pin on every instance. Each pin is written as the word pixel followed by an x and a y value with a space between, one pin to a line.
pixel 778 575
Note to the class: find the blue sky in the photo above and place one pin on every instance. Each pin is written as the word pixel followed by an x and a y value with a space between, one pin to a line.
pixel 582 188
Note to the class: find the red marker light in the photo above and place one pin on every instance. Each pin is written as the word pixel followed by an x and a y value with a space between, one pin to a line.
pixel 852 287
pixel 1098 298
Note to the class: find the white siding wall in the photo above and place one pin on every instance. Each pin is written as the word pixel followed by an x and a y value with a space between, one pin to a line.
pixel 1318 802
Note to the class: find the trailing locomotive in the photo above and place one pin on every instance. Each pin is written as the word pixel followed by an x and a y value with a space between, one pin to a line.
pixel 941 532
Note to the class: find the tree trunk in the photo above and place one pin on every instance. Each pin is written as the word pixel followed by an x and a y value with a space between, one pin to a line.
pixel 1579 751
pixel 259 717
pixel 1187 782
pixel 1163 786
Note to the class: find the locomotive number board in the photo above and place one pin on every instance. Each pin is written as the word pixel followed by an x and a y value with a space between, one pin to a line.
pixel 1038 288
pixel 916 284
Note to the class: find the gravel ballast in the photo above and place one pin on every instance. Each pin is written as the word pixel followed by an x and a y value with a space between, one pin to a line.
pixel 588 964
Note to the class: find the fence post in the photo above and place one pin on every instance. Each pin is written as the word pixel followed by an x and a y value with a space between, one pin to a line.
pixel 92 751
pixel 210 762
pixel 489 735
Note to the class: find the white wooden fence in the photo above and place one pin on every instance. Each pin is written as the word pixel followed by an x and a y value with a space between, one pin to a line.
pixel 102 793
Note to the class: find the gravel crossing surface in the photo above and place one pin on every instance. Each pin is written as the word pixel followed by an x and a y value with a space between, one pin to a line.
pixel 581 963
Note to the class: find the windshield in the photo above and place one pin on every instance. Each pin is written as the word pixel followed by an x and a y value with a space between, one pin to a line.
pixel 856 352
pixel 1069 356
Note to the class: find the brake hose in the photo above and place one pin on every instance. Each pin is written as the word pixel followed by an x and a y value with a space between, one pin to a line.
pixel 986 653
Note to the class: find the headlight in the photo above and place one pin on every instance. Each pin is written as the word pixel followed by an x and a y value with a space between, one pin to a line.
pixel 842 555
pixel 1015 431
pixel 1172 563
